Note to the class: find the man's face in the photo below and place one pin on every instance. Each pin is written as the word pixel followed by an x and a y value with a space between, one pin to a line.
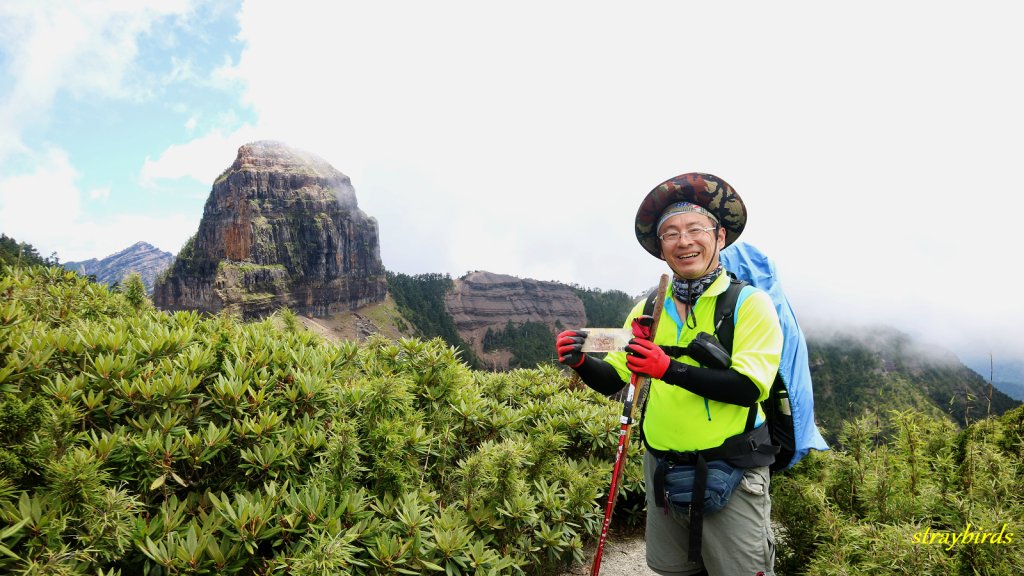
pixel 689 244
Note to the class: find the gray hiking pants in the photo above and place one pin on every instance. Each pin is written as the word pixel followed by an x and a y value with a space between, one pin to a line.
pixel 737 540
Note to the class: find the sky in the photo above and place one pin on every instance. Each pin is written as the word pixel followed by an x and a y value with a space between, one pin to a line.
pixel 876 145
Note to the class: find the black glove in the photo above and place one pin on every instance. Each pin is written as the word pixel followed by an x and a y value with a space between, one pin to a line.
pixel 569 344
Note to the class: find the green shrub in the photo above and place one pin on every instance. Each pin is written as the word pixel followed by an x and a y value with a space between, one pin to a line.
pixel 135 441
pixel 906 485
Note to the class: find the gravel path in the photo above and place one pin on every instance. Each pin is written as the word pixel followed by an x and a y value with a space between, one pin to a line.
pixel 623 556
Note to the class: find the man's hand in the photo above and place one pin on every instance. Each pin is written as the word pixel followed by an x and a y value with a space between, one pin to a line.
pixel 647 358
pixel 568 344
pixel 642 327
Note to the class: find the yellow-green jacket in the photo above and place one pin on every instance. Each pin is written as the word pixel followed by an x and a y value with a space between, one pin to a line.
pixel 677 419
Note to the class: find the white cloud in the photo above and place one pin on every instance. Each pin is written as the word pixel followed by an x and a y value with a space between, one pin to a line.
pixel 879 176
pixel 202 159
pixel 85 48
pixel 43 206
pixel 41 201
pixel 100 193
pixel 181 71
pixel 877 155
pixel 226 75
pixel 112 234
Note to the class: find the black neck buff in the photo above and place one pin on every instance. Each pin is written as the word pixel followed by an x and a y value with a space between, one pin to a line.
pixel 688 291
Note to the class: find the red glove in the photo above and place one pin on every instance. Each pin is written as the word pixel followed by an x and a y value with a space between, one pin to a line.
pixel 569 344
pixel 642 326
pixel 646 357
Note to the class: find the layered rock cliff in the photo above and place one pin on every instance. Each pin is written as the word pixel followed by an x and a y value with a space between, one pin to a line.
pixel 144 258
pixel 281 227
pixel 484 300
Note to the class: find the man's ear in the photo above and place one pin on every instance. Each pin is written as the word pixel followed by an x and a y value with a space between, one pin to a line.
pixel 721 237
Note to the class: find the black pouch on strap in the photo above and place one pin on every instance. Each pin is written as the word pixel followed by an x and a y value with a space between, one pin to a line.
pixel 701 482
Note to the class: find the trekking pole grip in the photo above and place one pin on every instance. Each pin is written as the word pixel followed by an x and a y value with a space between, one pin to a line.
pixel 659 304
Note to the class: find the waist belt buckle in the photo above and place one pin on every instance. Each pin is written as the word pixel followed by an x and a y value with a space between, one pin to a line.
pixel 668 504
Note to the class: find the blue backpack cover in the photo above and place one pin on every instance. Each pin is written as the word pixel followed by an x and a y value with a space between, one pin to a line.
pixel 750 264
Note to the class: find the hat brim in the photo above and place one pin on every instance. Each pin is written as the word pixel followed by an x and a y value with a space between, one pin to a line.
pixel 705 190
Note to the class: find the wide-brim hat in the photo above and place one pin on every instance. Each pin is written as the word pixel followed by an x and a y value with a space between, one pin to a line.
pixel 705 190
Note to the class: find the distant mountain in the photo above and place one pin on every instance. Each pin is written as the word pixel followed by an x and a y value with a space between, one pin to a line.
pixel 1014 390
pixel 1006 375
pixel 501 321
pixel 144 258
pixel 884 369
pixel 482 303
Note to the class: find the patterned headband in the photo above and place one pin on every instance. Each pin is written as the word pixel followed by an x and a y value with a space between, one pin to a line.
pixel 683 208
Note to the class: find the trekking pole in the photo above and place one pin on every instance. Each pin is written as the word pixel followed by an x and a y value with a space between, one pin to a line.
pixel 636 384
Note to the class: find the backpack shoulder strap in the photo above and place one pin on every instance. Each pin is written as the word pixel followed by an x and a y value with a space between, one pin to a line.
pixel 649 303
pixel 725 325
pixel 725 311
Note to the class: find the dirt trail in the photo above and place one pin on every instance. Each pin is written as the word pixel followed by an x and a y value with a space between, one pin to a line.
pixel 623 556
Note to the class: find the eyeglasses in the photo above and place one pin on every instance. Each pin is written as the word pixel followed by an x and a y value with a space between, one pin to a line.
pixel 692 233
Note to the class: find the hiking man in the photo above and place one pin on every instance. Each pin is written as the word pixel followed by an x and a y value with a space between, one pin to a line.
pixel 703 431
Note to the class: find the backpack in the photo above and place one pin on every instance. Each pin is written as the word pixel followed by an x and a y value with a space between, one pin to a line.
pixel 789 408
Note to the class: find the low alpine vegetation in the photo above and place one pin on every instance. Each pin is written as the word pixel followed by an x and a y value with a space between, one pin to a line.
pixel 907 494
pixel 134 441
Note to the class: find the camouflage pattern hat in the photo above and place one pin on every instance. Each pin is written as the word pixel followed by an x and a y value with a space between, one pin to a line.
pixel 705 190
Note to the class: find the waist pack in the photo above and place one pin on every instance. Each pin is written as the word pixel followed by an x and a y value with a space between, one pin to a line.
pixel 680 481
pixel 701 482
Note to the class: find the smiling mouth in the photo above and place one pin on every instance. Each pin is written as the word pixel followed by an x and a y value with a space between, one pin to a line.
pixel 689 256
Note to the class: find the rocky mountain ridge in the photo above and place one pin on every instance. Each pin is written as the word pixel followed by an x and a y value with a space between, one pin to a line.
pixel 482 301
pixel 142 257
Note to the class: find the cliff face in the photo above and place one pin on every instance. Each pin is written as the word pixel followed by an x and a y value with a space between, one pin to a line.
pixel 281 227
pixel 482 300
pixel 140 257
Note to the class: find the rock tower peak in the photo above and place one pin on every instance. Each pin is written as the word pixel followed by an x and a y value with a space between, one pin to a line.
pixel 281 227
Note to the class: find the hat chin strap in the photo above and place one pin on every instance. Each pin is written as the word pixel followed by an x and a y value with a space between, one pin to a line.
pixel 714 256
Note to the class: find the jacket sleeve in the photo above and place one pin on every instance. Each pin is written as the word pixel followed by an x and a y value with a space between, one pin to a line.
pixel 722 385
pixel 600 376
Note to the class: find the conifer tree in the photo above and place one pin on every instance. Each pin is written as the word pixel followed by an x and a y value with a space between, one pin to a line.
pixel 134 290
